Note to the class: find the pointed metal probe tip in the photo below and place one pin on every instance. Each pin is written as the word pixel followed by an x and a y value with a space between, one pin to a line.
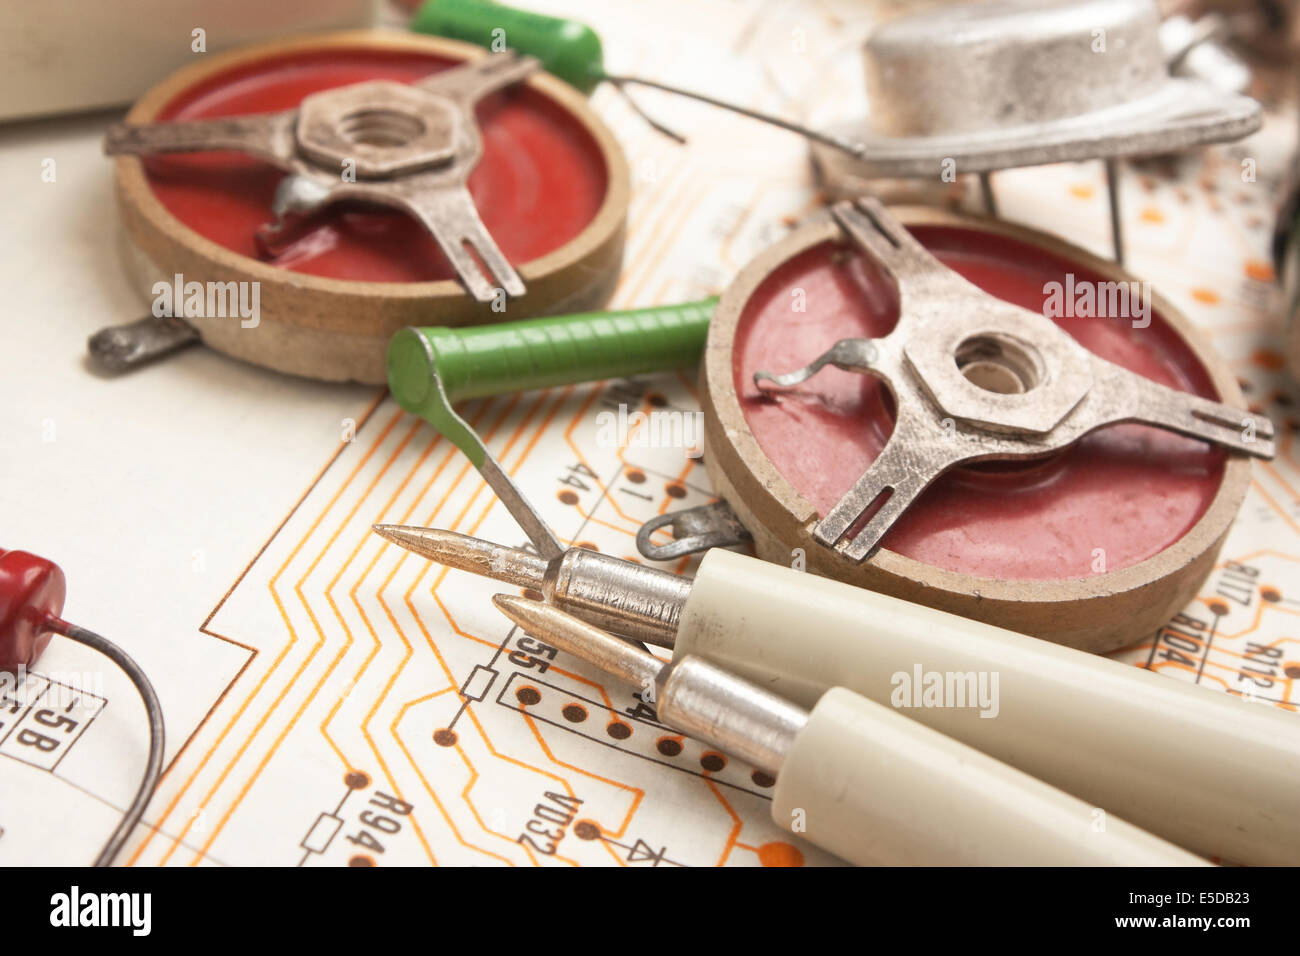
pixel 460 551
pixel 618 658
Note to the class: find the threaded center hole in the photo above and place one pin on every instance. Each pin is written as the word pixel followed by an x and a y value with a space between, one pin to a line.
pixel 380 127
pixel 997 364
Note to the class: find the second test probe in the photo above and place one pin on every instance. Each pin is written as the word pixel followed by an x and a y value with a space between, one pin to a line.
pixel 855 777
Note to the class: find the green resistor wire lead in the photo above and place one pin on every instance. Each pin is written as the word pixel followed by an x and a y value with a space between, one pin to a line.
pixel 429 369
pixel 573 52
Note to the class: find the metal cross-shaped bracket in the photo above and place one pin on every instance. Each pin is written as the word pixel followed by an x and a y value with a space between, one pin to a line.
pixel 975 378
pixel 408 146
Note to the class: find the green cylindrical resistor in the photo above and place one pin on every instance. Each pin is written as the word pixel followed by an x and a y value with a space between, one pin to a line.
pixel 431 368
pixel 566 48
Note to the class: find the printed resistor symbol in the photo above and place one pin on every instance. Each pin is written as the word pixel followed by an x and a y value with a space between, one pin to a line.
pixel 478 683
pixel 327 825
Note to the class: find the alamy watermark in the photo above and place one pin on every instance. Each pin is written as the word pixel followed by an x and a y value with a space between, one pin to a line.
pixel 133 911
pixel 658 428
pixel 957 689
pixel 1085 299
pixel 211 300
pixel 59 689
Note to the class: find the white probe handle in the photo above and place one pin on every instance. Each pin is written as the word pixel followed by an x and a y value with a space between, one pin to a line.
pixel 1208 771
pixel 873 787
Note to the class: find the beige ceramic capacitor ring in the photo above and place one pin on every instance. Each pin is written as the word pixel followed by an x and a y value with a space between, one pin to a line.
pixel 1087 604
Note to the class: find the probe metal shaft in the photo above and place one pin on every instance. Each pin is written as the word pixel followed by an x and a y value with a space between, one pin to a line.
pixel 701 700
pixel 616 657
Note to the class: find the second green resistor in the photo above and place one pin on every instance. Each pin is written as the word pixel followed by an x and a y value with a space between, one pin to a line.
pixel 566 48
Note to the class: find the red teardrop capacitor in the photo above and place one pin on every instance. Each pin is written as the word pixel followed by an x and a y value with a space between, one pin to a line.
pixel 32 591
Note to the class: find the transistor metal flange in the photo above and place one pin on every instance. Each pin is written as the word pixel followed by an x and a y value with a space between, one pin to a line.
pixel 989 86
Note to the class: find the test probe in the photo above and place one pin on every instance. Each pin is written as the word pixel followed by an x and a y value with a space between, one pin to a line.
pixel 1209 772
pixel 1146 748
pixel 32 591
pixel 855 777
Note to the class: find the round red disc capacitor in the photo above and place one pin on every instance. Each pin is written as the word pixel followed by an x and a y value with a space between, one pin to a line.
pixel 551 187
pixel 1093 546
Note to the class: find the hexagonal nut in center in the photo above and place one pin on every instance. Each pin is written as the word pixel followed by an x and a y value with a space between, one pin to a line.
pixel 383 128
pixel 1012 371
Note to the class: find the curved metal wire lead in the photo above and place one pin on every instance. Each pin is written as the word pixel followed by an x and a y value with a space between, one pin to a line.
pixel 153 768
pixel 852 355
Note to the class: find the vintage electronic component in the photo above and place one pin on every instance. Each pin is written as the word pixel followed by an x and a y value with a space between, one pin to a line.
pixel 1093 545
pixel 1000 383
pixel 438 130
pixel 429 369
pixel 856 777
pixel 32 591
pixel 989 86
